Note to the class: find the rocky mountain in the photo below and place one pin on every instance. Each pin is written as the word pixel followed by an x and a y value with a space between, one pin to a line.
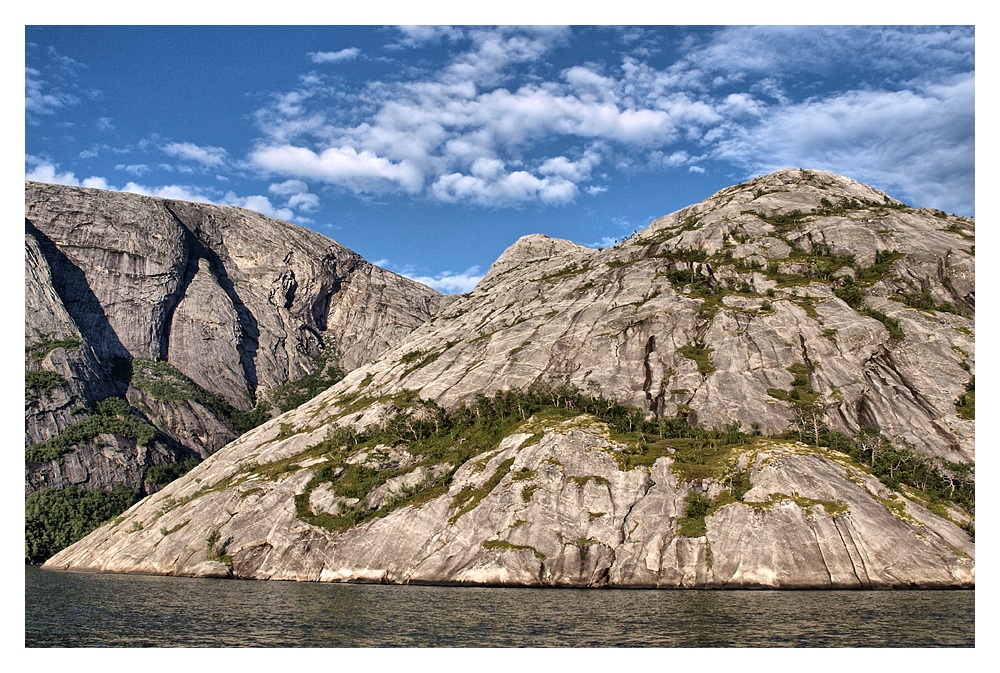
pixel 774 387
pixel 156 331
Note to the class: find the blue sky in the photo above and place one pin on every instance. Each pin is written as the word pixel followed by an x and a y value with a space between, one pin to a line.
pixel 430 150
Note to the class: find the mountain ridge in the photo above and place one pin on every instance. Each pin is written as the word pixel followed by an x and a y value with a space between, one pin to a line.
pixel 638 298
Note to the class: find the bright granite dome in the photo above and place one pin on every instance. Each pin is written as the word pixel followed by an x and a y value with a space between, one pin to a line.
pixel 771 388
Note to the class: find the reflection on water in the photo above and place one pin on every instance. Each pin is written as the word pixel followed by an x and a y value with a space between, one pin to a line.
pixel 89 610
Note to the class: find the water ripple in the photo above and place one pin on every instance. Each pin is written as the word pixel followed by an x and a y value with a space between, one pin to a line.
pixel 91 610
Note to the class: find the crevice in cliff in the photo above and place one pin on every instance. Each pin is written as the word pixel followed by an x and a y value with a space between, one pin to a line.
pixel 752 345
pixel 819 546
pixel 883 373
pixel 248 333
pixel 969 301
pixel 336 276
pixel 171 301
pixel 856 557
pixel 623 534
pixel 652 403
pixel 805 354
pixel 70 284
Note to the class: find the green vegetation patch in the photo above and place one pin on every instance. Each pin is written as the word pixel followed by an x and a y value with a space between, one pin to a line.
pixel 701 355
pixel 468 499
pixel 523 474
pixel 573 269
pixel 56 518
pixel 831 507
pixel 891 324
pixel 40 382
pixel 847 204
pixel 164 474
pixel 112 415
pixel 504 545
pixel 164 531
pixel 45 344
pixel 164 382
pixel 426 360
pixel 696 508
pixel 782 222
pixel 214 551
pixel 923 301
pixel 895 465
pixel 438 436
pixel 966 403
pixel 850 291
pixel 293 394
pixel 802 393
pixel 474 431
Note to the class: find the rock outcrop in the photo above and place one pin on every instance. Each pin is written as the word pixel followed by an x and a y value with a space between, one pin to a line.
pixel 799 306
pixel 194 313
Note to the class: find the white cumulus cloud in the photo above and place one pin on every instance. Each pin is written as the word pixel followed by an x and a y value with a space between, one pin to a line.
pixel 289 187
pixel 334 56
pixel 449 282
pixel 43 171
pixel 877 137
pixel 497 123
pixel 339 165
pixel 207 156
pixel 507 189
pixel 418 35
pixel 306 203
pixel 259 203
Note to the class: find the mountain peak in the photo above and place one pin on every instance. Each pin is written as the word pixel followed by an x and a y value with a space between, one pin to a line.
pixel 531 249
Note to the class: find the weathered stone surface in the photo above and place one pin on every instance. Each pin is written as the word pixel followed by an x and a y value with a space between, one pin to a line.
pixel 562 514
pixel 105 461
pixel 617 320
pixel 237 302
pixel 727 311
pixel 48 323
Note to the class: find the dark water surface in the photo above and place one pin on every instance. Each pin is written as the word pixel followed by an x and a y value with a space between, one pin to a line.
pixel 91 610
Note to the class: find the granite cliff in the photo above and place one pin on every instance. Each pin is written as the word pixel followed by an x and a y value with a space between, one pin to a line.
pixel 771 388
pixel 200 320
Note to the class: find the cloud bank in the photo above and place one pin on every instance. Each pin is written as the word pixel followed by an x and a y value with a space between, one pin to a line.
pixel 496 125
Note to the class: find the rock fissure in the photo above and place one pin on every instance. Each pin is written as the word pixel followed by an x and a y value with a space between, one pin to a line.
pixel 248 329
pixel 822 553
pixel 851 548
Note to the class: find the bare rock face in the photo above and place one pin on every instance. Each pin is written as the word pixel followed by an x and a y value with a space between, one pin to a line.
pixel 554 508
pixel 797 307
pixel 708 311
pixel 235 303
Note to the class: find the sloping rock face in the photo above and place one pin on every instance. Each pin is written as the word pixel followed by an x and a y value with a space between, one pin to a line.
pixel 710 308
pixel 234 303
pixel 556 509
pixel 798 303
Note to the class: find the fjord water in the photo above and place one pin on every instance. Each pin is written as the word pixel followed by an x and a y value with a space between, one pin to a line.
pixel 105 610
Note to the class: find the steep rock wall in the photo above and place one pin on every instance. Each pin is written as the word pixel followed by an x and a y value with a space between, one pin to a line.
pixel 238 303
